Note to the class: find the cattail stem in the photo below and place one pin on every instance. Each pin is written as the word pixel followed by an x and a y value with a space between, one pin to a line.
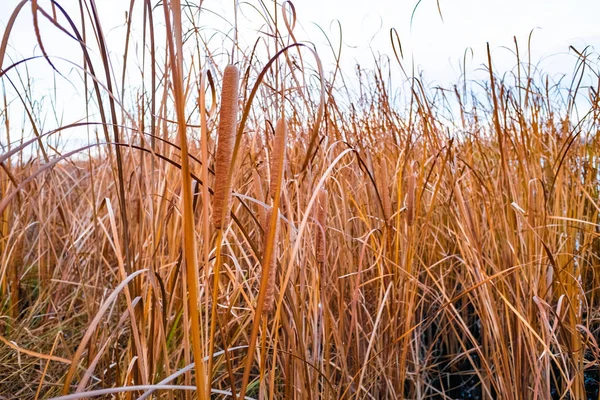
pixel 277 163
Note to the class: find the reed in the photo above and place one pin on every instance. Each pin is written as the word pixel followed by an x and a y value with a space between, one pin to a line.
pixel 321 220
pixel 384 190
pixel 268 273
pixel 270 265
pixel 411 188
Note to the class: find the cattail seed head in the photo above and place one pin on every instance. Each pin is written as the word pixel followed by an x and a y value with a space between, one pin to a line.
pixel 271 263
pixel 321 217
pixel 277 160
pixel 226 136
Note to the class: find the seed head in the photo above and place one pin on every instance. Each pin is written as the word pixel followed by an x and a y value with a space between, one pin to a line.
pixel 226 138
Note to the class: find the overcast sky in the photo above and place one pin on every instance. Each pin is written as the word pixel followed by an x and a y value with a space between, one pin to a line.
pixel 436 46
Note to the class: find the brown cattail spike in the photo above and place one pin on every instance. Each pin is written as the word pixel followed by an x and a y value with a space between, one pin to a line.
pixel 277 160
pixel 226 137
pixel 271 263
pixel 321 217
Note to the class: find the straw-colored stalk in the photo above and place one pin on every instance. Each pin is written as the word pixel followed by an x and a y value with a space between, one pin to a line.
pixel 270 247
pixel 321 218
pixel 4 218
pixel 277 163
pixel 535 203
pixel 190 250
pixel 411 187
pixel 384 187
pixel 260 196
pixel 226 138
pixel 271 262
pixel 14 273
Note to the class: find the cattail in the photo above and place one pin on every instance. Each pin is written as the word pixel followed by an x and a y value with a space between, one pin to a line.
pixel 410 197
pixel 385 191
pixel 277 160
pixel 321 217
pixel 271 263
pixel 226 135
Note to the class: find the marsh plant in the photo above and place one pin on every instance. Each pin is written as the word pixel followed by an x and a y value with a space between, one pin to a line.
pixel 246 222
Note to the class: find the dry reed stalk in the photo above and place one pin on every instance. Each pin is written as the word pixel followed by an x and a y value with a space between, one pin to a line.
pixel 321 218
pixel 277 163
pixel 410 197
pixel 384 185
pixel 226 135
pixel 14 271
pixel 271 262
pixel 535 203
pixel 278 152
pixel 260 195
pixel 4 218
pixel 190 250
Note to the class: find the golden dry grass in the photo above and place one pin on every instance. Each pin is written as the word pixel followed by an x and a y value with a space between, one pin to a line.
pixel 391 257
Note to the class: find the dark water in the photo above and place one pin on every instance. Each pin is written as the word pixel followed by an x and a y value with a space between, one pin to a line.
pixel 460 380
pixel 463 383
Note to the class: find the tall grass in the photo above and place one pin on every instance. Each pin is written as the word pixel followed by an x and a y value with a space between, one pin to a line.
pixel 362 245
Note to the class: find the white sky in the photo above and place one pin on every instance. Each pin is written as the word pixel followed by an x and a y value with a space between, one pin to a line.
pixel 437 47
